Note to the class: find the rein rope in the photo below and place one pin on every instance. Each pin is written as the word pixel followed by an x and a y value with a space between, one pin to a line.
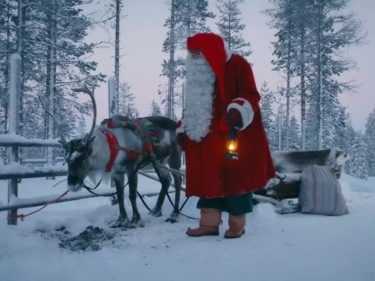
pixel 156 168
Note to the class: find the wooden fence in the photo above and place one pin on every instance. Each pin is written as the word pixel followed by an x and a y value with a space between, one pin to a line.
pixel 15 171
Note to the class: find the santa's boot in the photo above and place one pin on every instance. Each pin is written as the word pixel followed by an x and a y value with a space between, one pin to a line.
pixel 236 226
pixel 208 225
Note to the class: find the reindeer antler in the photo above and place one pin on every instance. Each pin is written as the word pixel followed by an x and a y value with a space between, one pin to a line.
pixel 91 94
pixel 58 127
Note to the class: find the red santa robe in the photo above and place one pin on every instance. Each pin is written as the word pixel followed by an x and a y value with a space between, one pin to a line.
pixel 208 173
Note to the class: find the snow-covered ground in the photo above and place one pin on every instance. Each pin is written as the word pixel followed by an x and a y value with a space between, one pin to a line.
pixel 275 247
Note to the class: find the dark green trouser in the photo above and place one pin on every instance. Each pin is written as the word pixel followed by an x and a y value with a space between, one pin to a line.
pixel 234 205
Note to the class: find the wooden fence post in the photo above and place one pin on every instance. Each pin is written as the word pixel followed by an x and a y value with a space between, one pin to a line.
pixel 14 108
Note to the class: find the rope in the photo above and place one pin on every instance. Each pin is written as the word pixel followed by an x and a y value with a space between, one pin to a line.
pixel 22 216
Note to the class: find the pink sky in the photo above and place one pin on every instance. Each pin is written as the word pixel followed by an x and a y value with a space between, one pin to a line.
pixel 142 35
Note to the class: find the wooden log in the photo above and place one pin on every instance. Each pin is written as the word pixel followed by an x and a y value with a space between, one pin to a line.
pixel 40 201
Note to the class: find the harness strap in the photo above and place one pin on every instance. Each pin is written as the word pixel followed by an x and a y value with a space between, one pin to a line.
pixel 113 144
pixel 147 137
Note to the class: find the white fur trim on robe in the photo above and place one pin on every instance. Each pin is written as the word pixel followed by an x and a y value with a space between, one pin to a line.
pixel 228 52
pixel 245 109
pixel 180 128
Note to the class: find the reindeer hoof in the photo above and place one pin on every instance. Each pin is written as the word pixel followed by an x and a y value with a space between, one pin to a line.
pixel 113 200
pixel 172 218
pixel 136 223
pixel 156 213
pixel 121 223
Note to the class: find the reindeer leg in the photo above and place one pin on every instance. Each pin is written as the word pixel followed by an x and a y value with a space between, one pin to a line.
pixel 123 220
pixel 165 181
pixel 176 211
pixel 175 163
pixel 133 185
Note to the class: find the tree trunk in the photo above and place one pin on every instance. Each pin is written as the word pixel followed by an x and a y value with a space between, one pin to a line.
pixel 20 35
pixel 320 77
pixel 51 72
pixel 117 45
pixel 303 87
pixel 288 76
pixel 171 64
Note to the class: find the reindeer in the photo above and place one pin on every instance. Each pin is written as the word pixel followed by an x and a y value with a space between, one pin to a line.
pixel 297 161
pixel 92 156
pixel 290 164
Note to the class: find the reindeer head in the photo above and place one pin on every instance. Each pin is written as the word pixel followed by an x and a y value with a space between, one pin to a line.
pixel 77 151
pixel 340 159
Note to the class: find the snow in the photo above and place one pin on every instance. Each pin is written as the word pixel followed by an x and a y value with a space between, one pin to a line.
pixel 275 247
pixel 16 168
pixel 14 107
pixel 14 138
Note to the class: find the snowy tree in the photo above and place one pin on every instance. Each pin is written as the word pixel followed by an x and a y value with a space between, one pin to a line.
pixel 370 142
pixel 231 28
pixel 155 109
pixel 81 126
pixel 311 38
pixel 186 18
pixel 50 37
pixel 359 167
pixel 283 19
pixel 311 129
pixel 8 11
pixel 126 101
pixel 191 17
pixel 268 116
pixel 294 135
pixel 332 29
pixel 342 136
pixel 281 124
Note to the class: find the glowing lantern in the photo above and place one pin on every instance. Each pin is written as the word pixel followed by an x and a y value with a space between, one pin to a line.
pixel 232 145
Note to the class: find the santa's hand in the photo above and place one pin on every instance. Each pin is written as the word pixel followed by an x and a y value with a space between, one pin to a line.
pixel 181 140
pixel 233 118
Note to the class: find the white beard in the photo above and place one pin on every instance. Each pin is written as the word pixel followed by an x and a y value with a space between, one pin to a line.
pixel 199 89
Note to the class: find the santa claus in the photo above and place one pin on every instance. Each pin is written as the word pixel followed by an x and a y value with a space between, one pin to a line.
pixel 221 94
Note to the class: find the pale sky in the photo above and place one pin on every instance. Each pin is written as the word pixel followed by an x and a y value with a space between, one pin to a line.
pixel 142 35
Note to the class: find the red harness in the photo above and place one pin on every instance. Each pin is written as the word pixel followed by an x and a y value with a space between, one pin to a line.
pixel 113 149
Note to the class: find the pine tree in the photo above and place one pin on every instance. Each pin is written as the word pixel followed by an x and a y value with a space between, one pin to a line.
pixel 281 123
pixel 311 129
pixel 155 109
pixel 126 101
pixel 359 168
pixel 268 116
pixel 350 150
pixel 370 142
pixel 294 135
pixel 283 19
pixel 81 126
pixel 186 18
pixel 311 37
pixel 231 28
pixel 342 136
pixel 332 30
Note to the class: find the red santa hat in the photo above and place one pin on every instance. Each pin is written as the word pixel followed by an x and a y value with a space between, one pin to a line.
pixel 212 47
